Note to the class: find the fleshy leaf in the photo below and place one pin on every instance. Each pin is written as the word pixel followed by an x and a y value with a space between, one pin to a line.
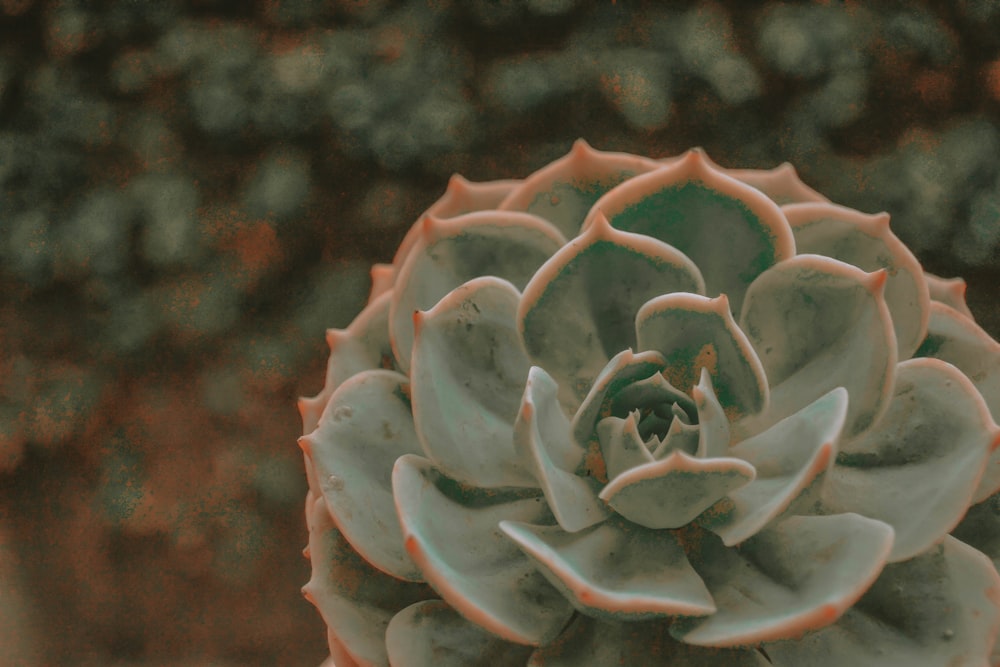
pixel 365 428
pixel 364 345
pixel 938 609
pixel 694 332
pixel 918 467
pixel 817 324
pixel 624 369
pixel 356 601
pixel 563 191
pixel 788 458
pixel 432 633
pixel 673 491
pixel 781 184
pixel 731 231
pixel 505 244
pixel 452 533
pixel 468 373
pixel 589 642
pixel 980 529
pixel 797 576
pixel 713 425
pixel 616 569
pixel 462 196
pixel 867 242
pixel 621 446
pixel 543 441
pixel 577 311
pixel 949 291
pixel 954 338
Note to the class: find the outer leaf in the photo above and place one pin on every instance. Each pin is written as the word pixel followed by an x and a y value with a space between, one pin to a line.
pixel 792 578
pixel 866 242
pixel 356 600
pixel 615 569
pixel 788 458
pixel 693 332
pixel 468 372
pixel 817 324
pixel 732 231
pixel 939 609
pixel 670 493
pixel 781 184
pixel 954 338
pixel 577 311
pixel 450 252
pixel 452 533
pixel 432 633
pixel 365 428
pixel 462 196
pixel 542 440
pixel 592 643
pixel 362 346
pixel 563 191
pixel 980 529
pixel 958 340
pixel 918 468
pixel 949 291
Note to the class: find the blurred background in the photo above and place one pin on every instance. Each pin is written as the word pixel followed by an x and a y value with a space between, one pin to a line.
pixel 192 191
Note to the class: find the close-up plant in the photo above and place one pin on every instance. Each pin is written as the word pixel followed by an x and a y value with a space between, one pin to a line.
pixel 590 393
pixel 655 412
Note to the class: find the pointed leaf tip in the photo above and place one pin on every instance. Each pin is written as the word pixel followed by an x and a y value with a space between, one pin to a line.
pixel 877 279
pixel 335 337
pixel 430 227
pixel 581 148
pixel 458 184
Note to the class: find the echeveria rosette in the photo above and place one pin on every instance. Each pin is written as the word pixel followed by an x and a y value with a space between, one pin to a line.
pixel 645 412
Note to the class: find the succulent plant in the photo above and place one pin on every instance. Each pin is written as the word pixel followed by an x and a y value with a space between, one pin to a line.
pixel 655 412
